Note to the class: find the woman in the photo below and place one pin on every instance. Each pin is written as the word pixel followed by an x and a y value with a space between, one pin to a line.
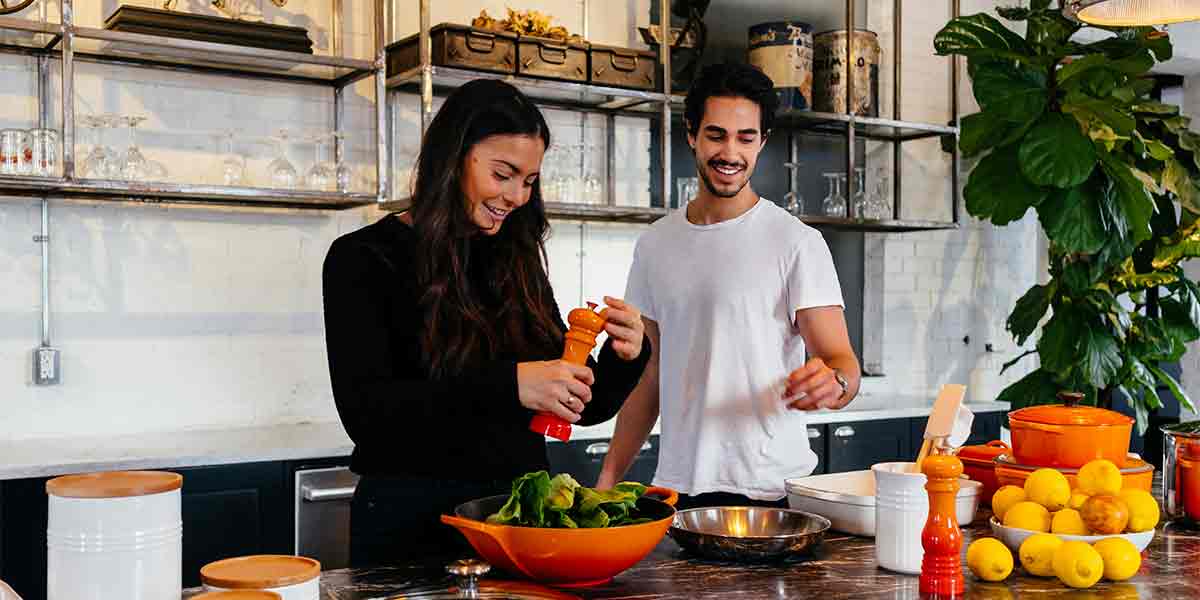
pixel 443 332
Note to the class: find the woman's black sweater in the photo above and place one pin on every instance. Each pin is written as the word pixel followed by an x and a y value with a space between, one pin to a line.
pixel 403 422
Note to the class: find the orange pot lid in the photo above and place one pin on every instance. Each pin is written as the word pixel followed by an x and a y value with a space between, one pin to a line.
pixel 114 484
pixel 260 571
pixel 1060 414
pixel 984 452
pixel 239 595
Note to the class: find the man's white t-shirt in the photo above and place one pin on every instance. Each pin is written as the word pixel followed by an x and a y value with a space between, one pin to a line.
pixel 725 298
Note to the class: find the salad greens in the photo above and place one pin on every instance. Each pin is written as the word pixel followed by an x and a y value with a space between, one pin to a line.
pixel 538 500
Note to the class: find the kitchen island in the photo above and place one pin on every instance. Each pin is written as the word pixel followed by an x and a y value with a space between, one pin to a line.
pixel 844 567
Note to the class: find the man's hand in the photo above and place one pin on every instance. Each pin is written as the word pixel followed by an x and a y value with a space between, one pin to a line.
pixel 813 386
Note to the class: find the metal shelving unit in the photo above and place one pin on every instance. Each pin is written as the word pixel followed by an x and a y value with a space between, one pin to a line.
pixel 427 80
pixel 68 43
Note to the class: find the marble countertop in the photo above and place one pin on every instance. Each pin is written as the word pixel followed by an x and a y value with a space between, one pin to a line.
pixel 844 567
pixel 50 457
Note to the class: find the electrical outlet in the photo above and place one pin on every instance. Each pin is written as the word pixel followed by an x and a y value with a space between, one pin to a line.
pixel 46 366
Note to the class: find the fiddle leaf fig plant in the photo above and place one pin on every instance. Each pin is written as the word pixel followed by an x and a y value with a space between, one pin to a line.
pixel 1069 130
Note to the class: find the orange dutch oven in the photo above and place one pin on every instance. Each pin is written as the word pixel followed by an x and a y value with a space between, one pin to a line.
pixel 1068 435
pixel 564 557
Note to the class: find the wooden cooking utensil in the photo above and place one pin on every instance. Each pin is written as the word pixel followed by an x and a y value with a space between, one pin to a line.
pixel 941 419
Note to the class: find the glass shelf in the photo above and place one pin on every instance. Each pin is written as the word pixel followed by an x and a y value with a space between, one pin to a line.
pixel 155 192
pixel 18 34
pixel 548 92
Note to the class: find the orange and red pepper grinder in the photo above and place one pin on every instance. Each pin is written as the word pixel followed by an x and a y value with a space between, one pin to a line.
pixel 941 569
pixel 585 324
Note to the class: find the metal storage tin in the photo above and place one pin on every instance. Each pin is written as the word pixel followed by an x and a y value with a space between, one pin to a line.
pixel 458 46
pixel 623 67
pixel 784 51
pixel 552 59
pixel 829 64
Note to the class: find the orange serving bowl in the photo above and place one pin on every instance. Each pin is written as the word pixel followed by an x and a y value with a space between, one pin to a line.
pixel 1137 473
pixel 564 557
pixel 1060 435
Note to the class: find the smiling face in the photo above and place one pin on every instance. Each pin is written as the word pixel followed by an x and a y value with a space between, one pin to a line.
pixel 498 175
pixel 727 143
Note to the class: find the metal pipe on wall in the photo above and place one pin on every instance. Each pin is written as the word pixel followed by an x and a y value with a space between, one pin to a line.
pixel 897 24
pixel 664 51
pixel 382 135
pixel 68 89
pixel 850 142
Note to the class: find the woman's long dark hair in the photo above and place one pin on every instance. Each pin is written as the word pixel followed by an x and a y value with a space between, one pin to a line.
pixel 482 295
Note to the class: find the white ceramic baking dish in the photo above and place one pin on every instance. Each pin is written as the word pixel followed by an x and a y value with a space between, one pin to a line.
pixel 848 500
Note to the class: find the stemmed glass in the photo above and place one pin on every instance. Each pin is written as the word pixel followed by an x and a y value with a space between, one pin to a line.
pixel 793 200
pixel 879 206
pixel 593 188
pixel 280 170
pixel 860 193
pixel 231 169
pixel 834 204
pixel 134 167
pixel 342 173
pixel 101 161
pixel 321 176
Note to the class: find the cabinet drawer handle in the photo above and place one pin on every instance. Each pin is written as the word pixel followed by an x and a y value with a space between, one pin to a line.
pixel 814 434
pixel 844 431
pixel 601 448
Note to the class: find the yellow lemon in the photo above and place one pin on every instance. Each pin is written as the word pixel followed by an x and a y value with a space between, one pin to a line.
pixel 1121 558
pixel 1078 565
pixel 1037 554
pixel 1077 500
pixel 989 559
pixel 1068 522
pixel 1099 477
pixel 1143 510
pixel 1005 498
pixel 1049 488
pixel 1028 515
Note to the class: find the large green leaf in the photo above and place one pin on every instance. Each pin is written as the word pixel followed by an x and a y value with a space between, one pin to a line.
pixel 1104 111
pixel 1154 342
pixel 1060 344
pixel 1067 73
pixel 980 35
pixel 1102 356
pixel 1013 13
pixel 1179 319
pixel 1056 153
pixel 1072 217
pixel 1135 64
pixel 1153 107
pixel 981 131
pixel 1134 201
pixel 1178 180
pixel 1048 30
pixel 1038 387
pixel 1028 313
pixel 996 190
pixel 1156 149
pixel 1173 385
pixel 1011 93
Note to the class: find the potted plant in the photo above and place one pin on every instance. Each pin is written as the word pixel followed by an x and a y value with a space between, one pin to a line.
pixel 1069 130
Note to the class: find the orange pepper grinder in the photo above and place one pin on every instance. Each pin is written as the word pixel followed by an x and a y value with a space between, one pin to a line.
pixel 585 324
pixel 941 569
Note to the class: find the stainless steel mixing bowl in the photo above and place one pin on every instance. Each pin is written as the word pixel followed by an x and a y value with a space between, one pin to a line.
pixel 747 533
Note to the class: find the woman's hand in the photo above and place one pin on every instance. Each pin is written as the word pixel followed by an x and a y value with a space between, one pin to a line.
pixel 556 387
pixel 625 327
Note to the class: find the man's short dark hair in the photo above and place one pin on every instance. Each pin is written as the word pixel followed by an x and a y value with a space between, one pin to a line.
pixel 734 80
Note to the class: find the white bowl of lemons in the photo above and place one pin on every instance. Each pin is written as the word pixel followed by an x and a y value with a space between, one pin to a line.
pixel 1097 508
pixel 1014 537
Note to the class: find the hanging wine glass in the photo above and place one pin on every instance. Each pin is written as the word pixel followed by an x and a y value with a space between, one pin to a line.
pixel 280 171
pixel 321 176
pixel 793 201
pixel 133 166
pixel 231 168
pixel 343 175
pixel 834 205
pixel 860 193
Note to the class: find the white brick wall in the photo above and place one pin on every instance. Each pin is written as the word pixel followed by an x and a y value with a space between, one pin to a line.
pixel 184 318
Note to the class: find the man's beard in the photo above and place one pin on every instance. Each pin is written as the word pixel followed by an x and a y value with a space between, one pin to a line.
pixel 712 189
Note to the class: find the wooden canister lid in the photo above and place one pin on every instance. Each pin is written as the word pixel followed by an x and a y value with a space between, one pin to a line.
pixel 239 595
pixel 114 484
pixel 260 571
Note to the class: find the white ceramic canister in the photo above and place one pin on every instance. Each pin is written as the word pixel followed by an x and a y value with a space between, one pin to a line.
pixel 292 577
pixel 901 509
pixel 238 595
pixel 114 535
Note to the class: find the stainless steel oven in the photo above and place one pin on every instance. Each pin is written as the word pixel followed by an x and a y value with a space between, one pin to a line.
pixel 323 515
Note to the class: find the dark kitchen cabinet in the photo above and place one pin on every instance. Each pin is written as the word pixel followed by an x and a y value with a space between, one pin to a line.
pixel 584 458
pixel 234 510
pixel 858 445
pixel 817 435
pixel 228 510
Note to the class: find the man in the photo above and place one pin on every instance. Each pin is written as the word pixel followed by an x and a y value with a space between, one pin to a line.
pixel 734 291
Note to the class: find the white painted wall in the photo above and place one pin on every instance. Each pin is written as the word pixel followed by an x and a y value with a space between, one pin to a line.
pixel 184 318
